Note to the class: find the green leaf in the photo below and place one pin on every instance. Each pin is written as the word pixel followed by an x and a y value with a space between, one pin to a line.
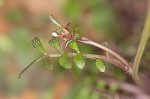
pixel 74 46
pixel 79 61
pixel 64 61
pixel 100 65
pixel 38 45
pixel 54 42
pixel 55 21
pixel 47 64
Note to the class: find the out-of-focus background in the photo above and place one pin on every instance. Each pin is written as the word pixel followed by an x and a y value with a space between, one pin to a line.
pixel 118 22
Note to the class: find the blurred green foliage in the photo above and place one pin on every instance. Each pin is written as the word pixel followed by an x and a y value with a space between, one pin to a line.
pixel 113 87
pixel 72 9
pixel 42 20
pixel 101 84
pixel 15 15
pixel 21 37
pixel 103 15
pixel 103 19
pixel 6 44
pixel 83 90
pixel 147 55
pixel 119 74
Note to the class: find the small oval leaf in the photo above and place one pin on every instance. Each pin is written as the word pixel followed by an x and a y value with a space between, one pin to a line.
pixel 38 45
pixel 74 46
pixel 79 61
pixel 47 64
pixel 64 61
pixel 54 42
pixel 100 65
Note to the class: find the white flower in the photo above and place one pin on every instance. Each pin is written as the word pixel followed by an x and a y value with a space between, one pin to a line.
pixel 54 34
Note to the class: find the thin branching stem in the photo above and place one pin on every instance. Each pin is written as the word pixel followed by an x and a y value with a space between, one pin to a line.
pixel 121 59
pixel 93 56
pixel 90 56
pixel 31 64
pixel 90 42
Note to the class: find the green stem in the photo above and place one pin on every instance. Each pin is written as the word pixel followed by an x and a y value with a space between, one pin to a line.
pixel 90 56
pixel 140 51
pixel 33 62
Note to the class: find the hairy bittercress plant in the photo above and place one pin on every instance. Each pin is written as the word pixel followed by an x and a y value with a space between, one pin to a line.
pixel 67 36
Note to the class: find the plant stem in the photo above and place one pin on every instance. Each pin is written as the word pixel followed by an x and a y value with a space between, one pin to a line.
pixel 121 59
pixel 142 44
pixel 93 56
pixel 90 56
pixel 33 62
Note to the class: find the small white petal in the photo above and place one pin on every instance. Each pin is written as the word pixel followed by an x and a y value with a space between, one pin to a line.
pixel 54 34
pixel 102 70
